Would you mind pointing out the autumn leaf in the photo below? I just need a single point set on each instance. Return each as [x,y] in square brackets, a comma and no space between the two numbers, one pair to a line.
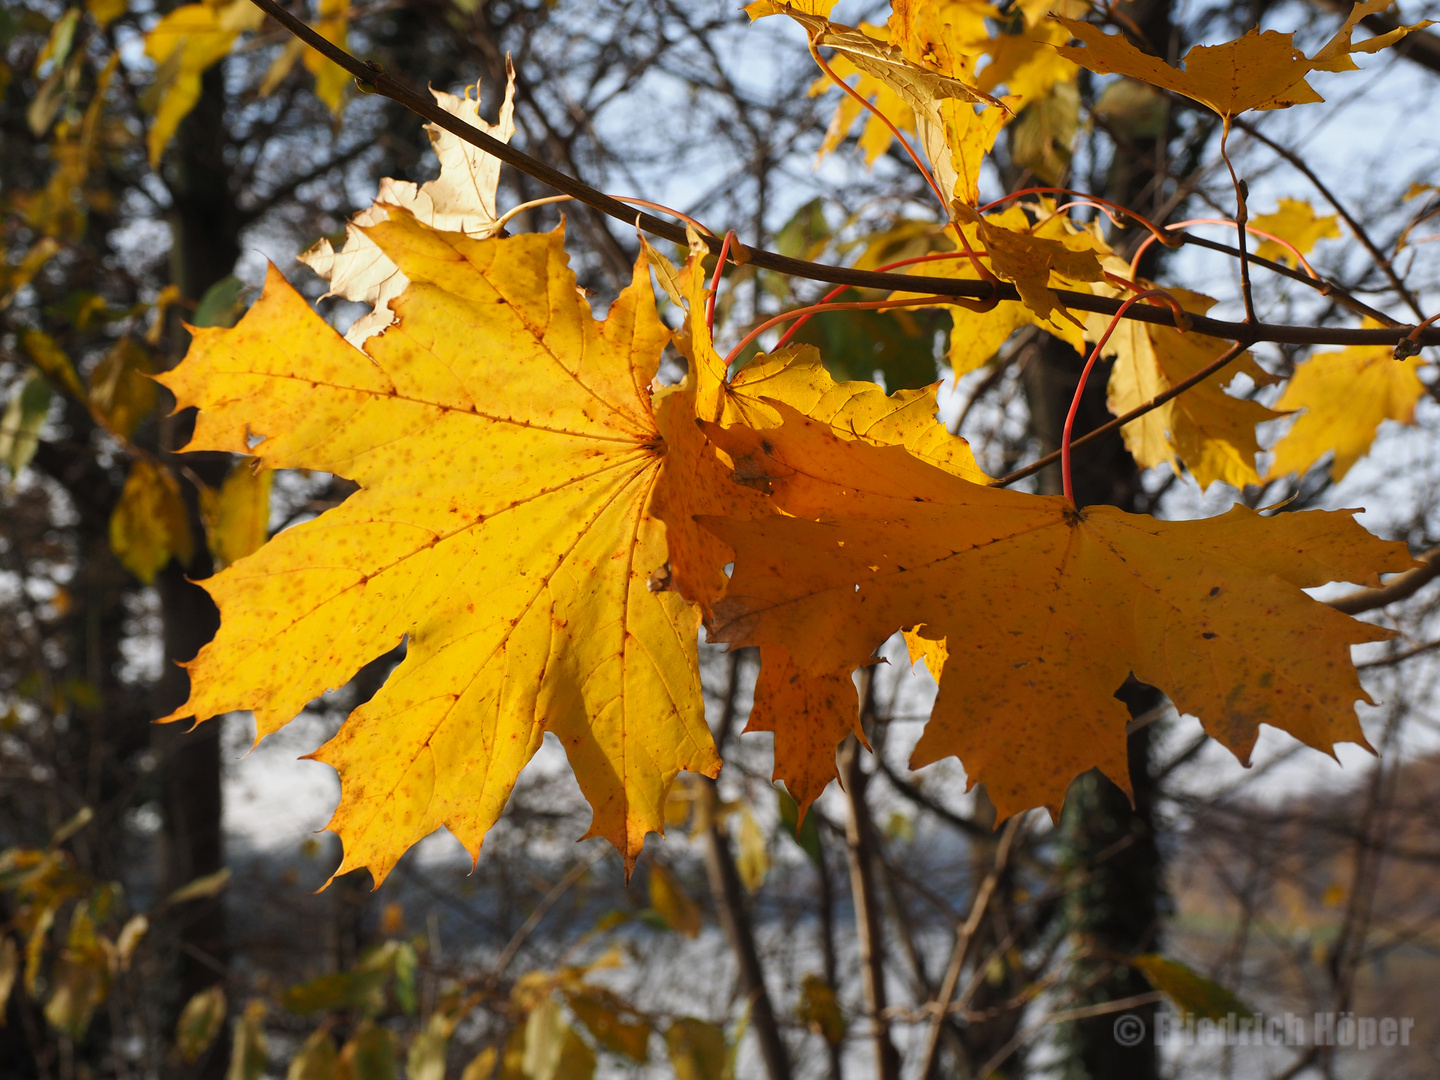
[505,449]
[331,80]
[237,516]
[1045,610]
[1212,432]
[1258,71]
[1295,221]
[461,199]
[1345,396]
[184,44]
[149,525]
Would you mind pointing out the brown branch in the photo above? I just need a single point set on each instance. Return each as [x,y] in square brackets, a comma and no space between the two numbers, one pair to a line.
[1140,410]
[1355,227]
[374,79]
[962,946]
[1400,587]
[860,848]
[728,895]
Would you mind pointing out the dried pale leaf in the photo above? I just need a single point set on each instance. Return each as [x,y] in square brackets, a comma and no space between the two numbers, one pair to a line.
[1056,607]
[202,888]
[1346,396]
[150,525]
[80,985]
[131,934]
[505,448]
[672,903]
[461,199]
[200,1022]
[1295,220]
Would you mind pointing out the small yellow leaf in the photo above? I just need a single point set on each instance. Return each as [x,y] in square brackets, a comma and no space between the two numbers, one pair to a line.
[615,1026]
[331,80]
[131,934]
[9,972]
[150,524]
[819,1009]
[758,9]
[106,11]
[1212,432]
[1295,221]
[200,1021]
[672,903]
[237,516]
[482,1065]
[119,389]
[697,1049]
[1345,395]
[753,860]
[51,359]
[317,1059]
[371,1054]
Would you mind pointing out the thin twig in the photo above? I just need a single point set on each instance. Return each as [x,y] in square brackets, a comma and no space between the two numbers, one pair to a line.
[962,946]
[1120,421]
[1400,587]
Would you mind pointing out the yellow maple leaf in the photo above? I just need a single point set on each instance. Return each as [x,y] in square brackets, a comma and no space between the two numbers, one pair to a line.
[1045,610]
[1210,431]
[505,450]
[1346,395]
[1262,70]
[1295,221]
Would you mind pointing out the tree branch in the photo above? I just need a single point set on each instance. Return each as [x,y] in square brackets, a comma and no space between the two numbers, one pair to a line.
[1400,587]
[374,79]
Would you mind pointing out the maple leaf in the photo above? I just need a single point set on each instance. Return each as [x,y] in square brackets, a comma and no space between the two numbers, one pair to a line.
[1258,71]
[1044,609]
[461,199]
[1210,431]
[505,450]
[1346,395]
[1294,220]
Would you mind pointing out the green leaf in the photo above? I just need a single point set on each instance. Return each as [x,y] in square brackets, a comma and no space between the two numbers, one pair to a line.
[222,304]
[806,835]
[362,989]
[856,344]
[1191,994]
[371,1054]
[317,1060]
